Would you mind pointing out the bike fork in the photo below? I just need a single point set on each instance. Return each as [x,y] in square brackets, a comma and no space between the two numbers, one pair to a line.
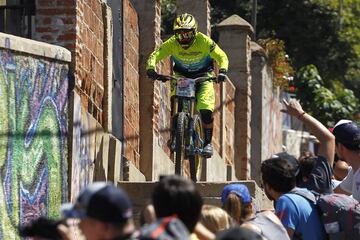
[190,142]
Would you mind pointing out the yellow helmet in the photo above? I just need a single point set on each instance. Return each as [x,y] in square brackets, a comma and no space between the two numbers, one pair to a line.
[185,28]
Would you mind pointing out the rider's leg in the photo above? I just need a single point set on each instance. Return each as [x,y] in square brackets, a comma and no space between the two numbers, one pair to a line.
[206,105]
[207,121]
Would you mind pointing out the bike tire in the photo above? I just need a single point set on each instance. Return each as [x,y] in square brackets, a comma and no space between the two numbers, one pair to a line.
[182,122]
[197,160]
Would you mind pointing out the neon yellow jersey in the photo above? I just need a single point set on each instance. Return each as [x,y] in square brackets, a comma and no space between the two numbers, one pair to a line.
[193,61]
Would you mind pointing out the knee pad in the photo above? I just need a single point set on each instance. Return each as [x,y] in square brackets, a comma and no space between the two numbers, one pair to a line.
[206,116]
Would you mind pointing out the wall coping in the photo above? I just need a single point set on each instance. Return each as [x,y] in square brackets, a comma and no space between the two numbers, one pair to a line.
[33,47]
[235,22]
[257,49]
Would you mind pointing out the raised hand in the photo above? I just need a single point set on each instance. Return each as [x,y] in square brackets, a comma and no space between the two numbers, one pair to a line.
[293,108]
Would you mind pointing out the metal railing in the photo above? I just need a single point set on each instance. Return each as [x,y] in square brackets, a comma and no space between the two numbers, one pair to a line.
[17,19]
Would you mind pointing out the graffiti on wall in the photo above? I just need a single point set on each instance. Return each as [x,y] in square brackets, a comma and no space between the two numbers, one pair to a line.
[83,149]
[33,145]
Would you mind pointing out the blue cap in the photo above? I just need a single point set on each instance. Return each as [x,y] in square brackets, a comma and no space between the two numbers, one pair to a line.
[239,190]
[347,133]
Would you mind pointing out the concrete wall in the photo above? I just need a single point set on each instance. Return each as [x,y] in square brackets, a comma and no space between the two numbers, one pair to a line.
[33,124]
[234,38]
[266,118]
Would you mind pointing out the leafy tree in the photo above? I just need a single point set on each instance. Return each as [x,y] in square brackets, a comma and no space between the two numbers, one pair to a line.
[278,61]
[328,105]
[310,31]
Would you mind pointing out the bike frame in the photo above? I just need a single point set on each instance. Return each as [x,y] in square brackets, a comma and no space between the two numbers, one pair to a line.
[186,125]
[187,105]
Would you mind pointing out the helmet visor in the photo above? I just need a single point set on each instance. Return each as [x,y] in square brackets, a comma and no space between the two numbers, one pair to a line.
[185,36]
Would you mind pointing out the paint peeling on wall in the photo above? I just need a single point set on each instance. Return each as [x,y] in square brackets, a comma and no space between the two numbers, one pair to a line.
[33,144]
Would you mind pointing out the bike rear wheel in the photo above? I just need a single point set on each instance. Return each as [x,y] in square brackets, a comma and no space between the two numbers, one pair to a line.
[196,160]
[182,123]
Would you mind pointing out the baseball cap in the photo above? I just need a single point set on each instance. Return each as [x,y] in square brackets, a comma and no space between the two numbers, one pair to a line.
[290,158]
[239,189]
[101,201]
[347,133]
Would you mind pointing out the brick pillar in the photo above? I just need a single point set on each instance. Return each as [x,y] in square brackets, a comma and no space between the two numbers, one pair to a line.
[149,26]
[200,9]
[234,39]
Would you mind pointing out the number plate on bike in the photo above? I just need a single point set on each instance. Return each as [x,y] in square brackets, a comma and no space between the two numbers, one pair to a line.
[185,87]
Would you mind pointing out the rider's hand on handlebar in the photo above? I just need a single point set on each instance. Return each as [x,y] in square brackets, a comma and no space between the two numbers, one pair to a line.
[163,78]
[222,76]
[152,74]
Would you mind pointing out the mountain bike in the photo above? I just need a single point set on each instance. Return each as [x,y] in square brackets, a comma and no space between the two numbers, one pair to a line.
[186,126]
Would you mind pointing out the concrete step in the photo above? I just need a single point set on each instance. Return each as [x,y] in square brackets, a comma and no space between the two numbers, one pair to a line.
[140,193]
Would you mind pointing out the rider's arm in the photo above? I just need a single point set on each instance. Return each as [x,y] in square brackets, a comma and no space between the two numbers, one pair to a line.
[160,53]
[220,56]
[216,52]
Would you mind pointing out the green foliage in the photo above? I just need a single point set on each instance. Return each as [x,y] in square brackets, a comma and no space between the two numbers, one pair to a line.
[278,61]
[310,31]
[328,105]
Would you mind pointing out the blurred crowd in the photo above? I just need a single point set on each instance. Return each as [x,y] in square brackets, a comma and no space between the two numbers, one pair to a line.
[177,211]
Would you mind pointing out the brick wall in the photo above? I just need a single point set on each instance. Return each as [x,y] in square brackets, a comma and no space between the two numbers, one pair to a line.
[216,141]
[229,105]
[79,27]
[131,84]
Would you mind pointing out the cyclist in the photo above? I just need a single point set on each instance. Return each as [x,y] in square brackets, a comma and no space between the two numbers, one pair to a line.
[192,54]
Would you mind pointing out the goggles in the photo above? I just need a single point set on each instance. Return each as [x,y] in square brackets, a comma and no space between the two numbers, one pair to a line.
[185,36]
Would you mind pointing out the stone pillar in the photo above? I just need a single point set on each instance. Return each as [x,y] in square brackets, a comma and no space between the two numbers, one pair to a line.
[258,71]
[200,9]
[234,39]
[149,28]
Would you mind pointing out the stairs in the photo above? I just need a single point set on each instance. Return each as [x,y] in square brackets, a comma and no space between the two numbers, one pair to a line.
[140,194]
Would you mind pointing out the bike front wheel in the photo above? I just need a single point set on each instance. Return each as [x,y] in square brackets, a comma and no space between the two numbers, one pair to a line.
[182,123]
[197,160]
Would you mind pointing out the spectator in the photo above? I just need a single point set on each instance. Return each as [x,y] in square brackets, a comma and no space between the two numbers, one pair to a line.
[314,171]
[347,137]
[239,233]
[147,215]
[237,202]
[341,170]
[105,212]
[297,214]
[177,195]
[214,218]
[167,228]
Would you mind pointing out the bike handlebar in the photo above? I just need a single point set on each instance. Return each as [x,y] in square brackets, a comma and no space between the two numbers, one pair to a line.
[165,78]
